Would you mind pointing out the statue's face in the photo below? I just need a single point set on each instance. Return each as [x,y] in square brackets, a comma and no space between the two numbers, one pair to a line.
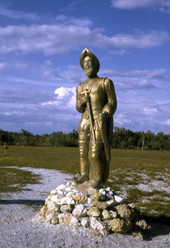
[89,67]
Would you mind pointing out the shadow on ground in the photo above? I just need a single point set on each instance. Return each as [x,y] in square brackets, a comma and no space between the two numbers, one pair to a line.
[22,201]
[157,229]
[159,226]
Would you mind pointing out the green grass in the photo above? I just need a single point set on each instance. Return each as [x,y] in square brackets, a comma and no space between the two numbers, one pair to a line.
[12,179]
[137,159]
[67,158]
[127,170]
[59,158]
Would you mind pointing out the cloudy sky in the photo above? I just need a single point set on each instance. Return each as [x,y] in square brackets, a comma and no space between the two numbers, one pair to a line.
[40,45]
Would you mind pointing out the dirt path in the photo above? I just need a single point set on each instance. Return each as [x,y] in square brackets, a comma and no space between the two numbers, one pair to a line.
[18,229]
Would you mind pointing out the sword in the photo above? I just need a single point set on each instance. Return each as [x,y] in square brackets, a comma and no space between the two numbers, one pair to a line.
[105,139]
[86,93]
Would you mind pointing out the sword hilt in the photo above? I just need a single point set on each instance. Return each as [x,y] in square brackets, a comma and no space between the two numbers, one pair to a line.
[86,92]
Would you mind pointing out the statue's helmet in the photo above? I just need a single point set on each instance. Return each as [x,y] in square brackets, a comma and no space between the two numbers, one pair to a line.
[86,52]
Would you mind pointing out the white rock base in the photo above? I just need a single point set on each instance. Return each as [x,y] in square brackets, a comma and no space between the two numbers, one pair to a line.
[101,210]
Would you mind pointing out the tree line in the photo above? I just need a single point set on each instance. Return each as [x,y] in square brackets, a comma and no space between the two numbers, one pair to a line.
[122,138]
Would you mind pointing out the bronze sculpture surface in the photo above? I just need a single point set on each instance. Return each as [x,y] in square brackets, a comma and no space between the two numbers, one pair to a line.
[96,100]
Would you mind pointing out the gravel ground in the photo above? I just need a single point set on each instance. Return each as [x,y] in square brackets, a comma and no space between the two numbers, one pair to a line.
[19,229]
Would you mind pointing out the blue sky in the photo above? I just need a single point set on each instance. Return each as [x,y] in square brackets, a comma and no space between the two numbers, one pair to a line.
[40,45]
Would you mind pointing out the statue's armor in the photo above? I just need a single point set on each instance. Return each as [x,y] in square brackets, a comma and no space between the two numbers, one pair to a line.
[102,99]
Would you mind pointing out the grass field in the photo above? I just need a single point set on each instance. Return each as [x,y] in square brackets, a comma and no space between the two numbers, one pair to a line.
[142,176]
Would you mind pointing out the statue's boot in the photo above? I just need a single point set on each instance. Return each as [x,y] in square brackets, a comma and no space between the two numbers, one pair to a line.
[82,178]
[96,184]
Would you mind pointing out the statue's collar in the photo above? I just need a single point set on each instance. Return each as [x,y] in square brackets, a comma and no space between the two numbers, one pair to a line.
[91,80]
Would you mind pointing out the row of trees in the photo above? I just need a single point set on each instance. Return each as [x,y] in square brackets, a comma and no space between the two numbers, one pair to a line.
[122,138]
[26,138]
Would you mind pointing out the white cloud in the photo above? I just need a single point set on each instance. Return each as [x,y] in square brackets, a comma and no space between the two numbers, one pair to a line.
[165,10]
[14,14]
[80,22]
[52,102]
[74,3]
[119,52]
[150,111]
[69,74]
[21,66]
[139,79]
[2,66]
[59,38]
[155,73]
[167,122]
[139,39]
[61,18]
[13,113]
[131,4]
[72,101]
[125,80]
[136,111]
[65,99]
[30,81]
[67,20]
[122,120]
[63,92]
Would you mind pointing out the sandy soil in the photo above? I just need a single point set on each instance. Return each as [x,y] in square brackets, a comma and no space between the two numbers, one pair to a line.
[18,228]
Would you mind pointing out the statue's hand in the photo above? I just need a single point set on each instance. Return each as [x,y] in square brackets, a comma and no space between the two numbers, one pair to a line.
[103,116]
[85,98]
[102,119]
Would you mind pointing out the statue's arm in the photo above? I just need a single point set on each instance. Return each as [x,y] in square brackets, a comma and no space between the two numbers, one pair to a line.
[80,100]
[111,104]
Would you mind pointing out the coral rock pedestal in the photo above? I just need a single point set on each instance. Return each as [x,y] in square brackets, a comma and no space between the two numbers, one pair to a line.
[101,211]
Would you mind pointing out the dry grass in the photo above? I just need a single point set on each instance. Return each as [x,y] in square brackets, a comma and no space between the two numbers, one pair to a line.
[12,179]
[130,172]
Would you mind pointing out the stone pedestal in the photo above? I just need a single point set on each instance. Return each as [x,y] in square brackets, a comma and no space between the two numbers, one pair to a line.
[101,211]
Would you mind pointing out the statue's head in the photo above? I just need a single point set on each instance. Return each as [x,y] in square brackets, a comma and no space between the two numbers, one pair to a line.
[89,63]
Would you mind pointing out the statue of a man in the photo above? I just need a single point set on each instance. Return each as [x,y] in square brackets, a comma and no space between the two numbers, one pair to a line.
[96,100]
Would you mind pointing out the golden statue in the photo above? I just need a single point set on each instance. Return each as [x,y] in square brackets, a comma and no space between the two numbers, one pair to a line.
[96,100]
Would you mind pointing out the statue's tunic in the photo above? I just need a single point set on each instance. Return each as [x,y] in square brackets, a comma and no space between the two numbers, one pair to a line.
[102,99]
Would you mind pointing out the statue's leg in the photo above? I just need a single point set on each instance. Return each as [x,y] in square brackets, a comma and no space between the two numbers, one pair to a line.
[96,165]
[83,149]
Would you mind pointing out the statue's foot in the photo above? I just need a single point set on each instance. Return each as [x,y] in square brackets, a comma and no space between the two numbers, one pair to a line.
[84,187]
[96,184]
[87,186]
[81,179]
